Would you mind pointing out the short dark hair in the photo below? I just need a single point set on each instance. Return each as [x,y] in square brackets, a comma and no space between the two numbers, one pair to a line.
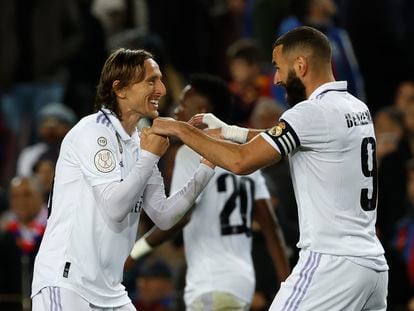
[216,91]
[124,65]
[305,37]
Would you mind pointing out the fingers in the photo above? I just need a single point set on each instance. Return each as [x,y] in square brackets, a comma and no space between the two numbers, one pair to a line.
[197,120]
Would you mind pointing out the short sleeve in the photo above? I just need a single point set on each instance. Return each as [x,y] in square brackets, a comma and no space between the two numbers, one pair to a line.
[261,192]
[96,149]
[301,126]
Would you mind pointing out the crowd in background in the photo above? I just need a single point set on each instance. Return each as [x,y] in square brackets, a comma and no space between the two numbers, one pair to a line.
[51,53]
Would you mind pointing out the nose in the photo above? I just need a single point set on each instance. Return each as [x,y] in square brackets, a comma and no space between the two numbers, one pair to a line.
[161,89]
[276,78]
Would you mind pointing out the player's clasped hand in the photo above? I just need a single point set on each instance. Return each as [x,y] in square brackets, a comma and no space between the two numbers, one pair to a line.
[206,119]
[154,143]
[163,126]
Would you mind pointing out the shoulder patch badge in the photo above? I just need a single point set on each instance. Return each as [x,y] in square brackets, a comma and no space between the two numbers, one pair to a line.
[102,141]
[104,161]
[277,129]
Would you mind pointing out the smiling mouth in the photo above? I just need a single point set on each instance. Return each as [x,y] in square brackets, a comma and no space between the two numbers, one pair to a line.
[155,103]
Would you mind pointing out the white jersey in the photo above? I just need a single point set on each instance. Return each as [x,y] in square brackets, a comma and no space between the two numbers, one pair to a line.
[84,249]
[217,239]
[330,141]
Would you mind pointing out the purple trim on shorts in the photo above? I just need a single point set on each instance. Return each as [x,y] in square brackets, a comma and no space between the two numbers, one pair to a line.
[318,260]
[59,298]
[52,298]
[302,274]
[55,298]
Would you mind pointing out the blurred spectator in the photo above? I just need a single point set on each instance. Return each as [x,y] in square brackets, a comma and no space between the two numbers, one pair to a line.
[20,239]
[403,243]
[389,130]
[44,170]
[154,286]
[86,63]
[392,179]
[404,94]
[6,149]
[320,14]
[248,80]
[112,14]
[54,121]
[267,15]
[266,113]
[37,38]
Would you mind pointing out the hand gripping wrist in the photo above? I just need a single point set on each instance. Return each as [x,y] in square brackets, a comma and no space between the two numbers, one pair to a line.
[140,248]
[229,132]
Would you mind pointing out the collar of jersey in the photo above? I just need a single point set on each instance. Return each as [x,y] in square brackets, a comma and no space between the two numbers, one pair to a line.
[331,86]
[117,125]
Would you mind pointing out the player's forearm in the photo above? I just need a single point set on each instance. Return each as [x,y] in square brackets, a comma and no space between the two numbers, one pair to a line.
[279,257]
[156,236]
[225,154]
[253,133]
[273,234]
[166,212]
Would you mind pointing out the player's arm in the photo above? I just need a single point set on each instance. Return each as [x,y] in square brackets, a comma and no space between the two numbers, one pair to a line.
[164,211]
[272,232]
[239,159]
[228,132]
[153,238]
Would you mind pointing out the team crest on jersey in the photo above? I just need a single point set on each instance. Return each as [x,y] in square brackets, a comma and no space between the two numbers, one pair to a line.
[278,129]
[105,161]
[102,141]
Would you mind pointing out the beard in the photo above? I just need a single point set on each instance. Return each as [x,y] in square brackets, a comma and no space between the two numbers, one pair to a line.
[295,90]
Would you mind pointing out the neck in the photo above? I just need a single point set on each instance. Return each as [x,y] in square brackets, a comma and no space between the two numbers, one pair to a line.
[130,121]
[316,81]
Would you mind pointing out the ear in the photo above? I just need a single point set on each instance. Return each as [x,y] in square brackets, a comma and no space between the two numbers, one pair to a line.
[119,92]
[301,66]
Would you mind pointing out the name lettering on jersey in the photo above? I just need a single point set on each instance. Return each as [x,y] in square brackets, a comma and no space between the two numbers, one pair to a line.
[285,137]
[102,141]
[358,118]
[138,206]
[104,161]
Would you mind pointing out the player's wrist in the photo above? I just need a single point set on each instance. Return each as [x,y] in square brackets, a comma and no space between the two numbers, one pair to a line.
[235,133]
[140,248]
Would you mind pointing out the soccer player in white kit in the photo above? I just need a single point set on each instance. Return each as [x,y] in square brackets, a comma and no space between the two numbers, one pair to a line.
[329,137]
[218,235]
[105,175]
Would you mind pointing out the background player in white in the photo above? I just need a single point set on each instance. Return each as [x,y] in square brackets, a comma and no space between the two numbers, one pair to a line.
[329,137]
[218,234]
[106,173]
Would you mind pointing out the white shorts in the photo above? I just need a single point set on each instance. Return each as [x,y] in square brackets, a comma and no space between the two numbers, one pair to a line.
[218,301]
[331,283]
[59,298]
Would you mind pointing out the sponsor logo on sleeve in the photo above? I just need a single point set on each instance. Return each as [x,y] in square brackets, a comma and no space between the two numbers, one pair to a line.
[104,161]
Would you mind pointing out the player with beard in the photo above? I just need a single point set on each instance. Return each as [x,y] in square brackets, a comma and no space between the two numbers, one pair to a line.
[329,138]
